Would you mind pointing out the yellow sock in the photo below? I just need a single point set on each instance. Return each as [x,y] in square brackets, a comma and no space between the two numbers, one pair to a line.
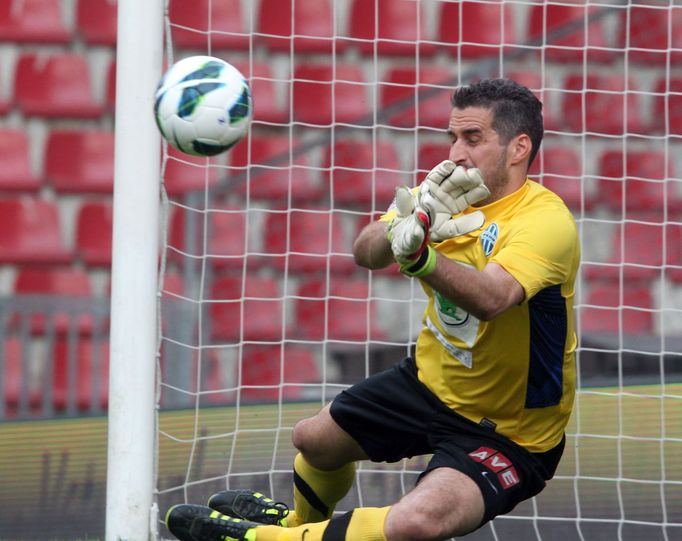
[361,524]
[316,492]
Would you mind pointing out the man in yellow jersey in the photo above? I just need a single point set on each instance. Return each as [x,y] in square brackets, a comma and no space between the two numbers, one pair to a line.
[491,387]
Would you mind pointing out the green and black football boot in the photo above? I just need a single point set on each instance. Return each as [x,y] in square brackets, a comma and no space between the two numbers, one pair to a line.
[190,522]
[250,505]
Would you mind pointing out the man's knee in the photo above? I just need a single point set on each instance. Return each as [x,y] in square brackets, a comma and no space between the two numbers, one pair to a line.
[302,436]
[324,444]
[313,436]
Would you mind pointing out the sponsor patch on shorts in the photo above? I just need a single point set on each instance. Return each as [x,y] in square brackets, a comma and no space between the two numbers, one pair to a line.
[497,463]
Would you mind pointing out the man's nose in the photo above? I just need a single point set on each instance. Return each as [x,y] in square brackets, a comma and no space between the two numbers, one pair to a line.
[457,153]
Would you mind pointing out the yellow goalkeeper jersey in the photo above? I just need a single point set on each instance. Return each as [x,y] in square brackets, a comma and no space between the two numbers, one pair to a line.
[518,370]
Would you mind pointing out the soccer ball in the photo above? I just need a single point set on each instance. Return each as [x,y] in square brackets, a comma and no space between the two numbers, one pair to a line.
[203,105]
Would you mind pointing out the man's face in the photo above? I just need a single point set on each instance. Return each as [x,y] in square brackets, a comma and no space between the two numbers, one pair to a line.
[474,143]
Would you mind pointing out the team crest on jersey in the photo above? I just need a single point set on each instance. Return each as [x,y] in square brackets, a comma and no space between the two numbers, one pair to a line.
[489,238]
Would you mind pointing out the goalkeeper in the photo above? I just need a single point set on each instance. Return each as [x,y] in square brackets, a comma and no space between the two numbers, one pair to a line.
[491,387]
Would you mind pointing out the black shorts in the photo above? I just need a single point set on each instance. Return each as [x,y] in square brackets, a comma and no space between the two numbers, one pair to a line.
[392,415]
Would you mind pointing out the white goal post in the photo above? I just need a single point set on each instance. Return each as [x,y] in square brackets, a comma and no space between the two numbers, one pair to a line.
[132,391]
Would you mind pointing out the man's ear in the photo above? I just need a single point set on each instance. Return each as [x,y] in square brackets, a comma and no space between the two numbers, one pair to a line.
[519,148]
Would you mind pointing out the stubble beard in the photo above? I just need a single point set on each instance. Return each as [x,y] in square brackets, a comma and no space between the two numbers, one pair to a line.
[497,180]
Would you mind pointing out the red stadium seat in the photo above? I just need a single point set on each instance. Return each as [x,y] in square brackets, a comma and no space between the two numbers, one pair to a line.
[64,282]
[363,174]
[203,23]
[390,27]
[55,85]
[6,103]
[311,21]
[606,105]
[266,372]
[558,29]
[251,311]
[652,33]
[560,169]
[640,251]
[15,173]
[94,227]
[90,362]
[30,232]
[267,105]
[24,390]
[306,241]
[19,384]
[496,17]
[674,255]
[274,168]
[226,235]
[667,106]
[186,173]
[80,161]
[400,90]
[13,374]
[340,310]
[612,309]
[110,91]
[32,21]
[96,21]
[638,182]
[325,94]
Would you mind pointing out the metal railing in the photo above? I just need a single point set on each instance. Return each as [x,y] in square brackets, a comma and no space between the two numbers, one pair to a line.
[54,356]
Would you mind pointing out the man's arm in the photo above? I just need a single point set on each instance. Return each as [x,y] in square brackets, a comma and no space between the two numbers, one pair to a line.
[371,248]
[484,294]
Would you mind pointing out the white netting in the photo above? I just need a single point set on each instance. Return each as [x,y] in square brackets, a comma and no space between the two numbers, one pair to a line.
[266,317]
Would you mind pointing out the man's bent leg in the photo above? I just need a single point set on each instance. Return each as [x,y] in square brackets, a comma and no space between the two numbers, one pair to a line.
[324,469]
[444,504]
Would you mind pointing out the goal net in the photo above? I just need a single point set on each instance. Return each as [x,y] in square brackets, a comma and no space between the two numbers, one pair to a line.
[265,317]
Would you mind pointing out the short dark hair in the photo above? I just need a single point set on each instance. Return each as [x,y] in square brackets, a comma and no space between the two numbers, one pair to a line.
[515,108]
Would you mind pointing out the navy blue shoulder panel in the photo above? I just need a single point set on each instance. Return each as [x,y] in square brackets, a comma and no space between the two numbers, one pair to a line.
[548,328]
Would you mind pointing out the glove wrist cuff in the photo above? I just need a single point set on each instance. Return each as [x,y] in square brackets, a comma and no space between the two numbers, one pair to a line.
[423,266]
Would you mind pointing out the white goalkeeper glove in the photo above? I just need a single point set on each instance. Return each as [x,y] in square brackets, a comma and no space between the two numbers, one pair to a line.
[449,189]
[408,234]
